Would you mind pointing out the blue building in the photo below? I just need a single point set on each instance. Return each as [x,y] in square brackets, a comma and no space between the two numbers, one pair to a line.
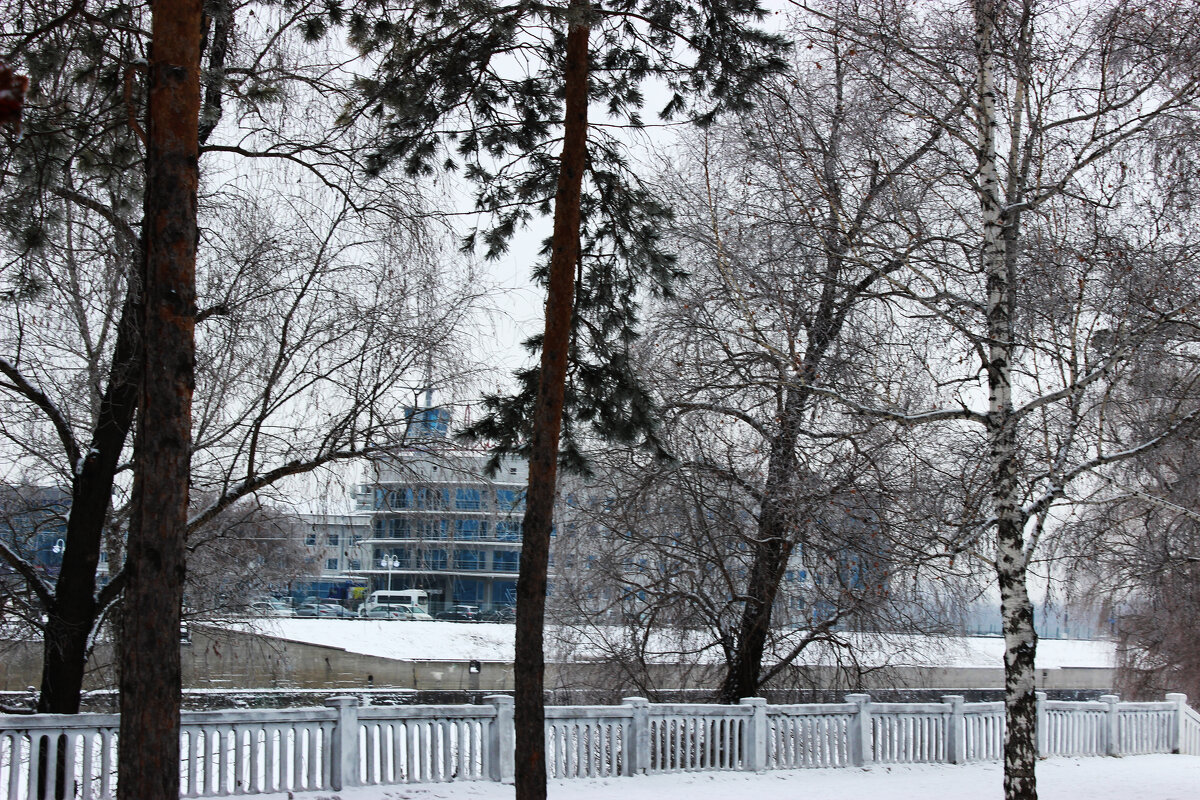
[33,522]
[439,523]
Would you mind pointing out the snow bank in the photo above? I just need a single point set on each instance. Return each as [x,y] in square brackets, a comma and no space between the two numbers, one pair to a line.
[452,641]
[1158,777]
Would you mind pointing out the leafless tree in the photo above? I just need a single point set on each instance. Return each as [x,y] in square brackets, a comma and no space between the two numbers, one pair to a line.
[1048,112]
[249,550]
[653,558]
[792,223]
[321,296]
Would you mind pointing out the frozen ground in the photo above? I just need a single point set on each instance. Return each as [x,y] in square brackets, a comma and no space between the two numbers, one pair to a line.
[451,641]
[1162,777]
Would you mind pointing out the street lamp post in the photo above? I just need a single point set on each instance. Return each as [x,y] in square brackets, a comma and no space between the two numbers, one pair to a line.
[389,563]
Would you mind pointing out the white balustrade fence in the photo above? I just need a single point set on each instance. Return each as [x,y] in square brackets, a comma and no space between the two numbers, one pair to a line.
[249,752]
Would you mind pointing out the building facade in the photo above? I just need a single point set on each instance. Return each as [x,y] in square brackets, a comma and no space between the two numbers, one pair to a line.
[335,544]
[439,522]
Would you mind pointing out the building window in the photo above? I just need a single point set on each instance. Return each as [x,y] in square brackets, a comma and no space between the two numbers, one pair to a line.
[396,558]
[510,499]
[311,540]
[399,529]
[430,499]
[470,530]
[470,560]
[331,564]
[505,561]
[468,500]
[333,539]
[508,530]
[435,559]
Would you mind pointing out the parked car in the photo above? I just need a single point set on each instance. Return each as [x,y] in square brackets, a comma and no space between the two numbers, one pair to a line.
[396,611]
[269,607]
[323,610]
[501,614]
[460,614]
[415,599]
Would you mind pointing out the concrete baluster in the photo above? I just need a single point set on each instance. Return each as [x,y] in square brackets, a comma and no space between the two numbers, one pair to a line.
[755,743]
[343,755]
[501,739]
[1176,736]
[956,742]
[1112,741]
[637,749]
[862,745]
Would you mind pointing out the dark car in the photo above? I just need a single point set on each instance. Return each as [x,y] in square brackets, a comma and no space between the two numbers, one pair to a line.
[501,614]
[460,614]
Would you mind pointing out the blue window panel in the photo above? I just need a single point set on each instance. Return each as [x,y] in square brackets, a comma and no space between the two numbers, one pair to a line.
[397,558]
[435,559]
[470,559]
[427,423]
[510,499]
[508,530]
[468,500]
[504,592]
[470,591]
[430,499]
[399,529]
[470,530]
[504,561]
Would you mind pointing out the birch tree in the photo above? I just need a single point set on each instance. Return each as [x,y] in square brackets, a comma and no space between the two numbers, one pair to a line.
[1061,104]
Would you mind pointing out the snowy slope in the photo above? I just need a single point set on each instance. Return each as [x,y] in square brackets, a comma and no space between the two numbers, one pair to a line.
[450,641]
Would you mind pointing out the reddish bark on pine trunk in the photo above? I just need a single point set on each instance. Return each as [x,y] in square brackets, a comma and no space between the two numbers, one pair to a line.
[148,765]
[529,666]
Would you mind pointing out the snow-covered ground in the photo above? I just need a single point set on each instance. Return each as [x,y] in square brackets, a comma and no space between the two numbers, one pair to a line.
[451,641]
[1161,777]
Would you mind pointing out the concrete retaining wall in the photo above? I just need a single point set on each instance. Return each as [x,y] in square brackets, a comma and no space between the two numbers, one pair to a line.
[221,659]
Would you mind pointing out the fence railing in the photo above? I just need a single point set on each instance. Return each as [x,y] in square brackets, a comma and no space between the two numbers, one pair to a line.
[249,752]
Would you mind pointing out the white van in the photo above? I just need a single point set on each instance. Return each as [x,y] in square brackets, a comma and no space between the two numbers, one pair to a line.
[415,604]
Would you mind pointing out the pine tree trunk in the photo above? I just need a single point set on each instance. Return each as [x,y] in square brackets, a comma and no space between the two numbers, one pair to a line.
[1020,641]
[148,761]
[529,663]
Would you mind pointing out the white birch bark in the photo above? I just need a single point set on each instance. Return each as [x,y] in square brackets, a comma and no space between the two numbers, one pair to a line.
[1020,640]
